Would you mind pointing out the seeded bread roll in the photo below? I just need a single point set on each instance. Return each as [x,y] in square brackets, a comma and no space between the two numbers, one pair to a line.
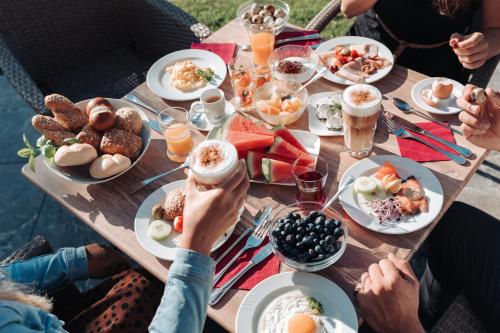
[128,120]
[65,112]
[90,136]
[102,118]
[117,141]
[98,101]
[51,129]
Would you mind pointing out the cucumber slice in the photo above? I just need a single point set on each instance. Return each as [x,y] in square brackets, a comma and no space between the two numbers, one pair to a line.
[159,229]
[365,185]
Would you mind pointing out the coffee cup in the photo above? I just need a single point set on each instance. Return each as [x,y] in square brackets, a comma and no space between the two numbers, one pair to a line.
[212,103]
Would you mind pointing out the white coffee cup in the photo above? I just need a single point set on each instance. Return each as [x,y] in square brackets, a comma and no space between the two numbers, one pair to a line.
[212,103]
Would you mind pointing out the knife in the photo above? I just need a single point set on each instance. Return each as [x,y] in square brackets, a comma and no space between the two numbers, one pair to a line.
[265,252]
[417,129]
[136,100]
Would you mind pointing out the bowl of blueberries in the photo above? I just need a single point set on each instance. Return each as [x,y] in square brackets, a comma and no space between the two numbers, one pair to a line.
[307,240]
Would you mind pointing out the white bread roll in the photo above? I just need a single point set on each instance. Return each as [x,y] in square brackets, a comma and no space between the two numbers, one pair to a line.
[76,154]
[109,165]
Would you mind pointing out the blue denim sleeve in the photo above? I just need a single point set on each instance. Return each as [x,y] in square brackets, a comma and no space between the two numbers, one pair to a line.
[183,307]
[51,271]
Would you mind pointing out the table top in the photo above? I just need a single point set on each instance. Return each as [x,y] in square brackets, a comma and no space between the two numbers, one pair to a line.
[109,210]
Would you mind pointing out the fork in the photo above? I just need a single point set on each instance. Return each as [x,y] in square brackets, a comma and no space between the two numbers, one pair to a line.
[399,131]
[255,239]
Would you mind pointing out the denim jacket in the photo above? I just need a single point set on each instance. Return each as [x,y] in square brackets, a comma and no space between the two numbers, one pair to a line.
[183,306]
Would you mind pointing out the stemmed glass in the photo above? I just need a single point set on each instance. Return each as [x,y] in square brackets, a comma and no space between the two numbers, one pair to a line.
[240,71]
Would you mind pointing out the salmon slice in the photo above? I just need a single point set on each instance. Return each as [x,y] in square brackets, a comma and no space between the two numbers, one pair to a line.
[412,197]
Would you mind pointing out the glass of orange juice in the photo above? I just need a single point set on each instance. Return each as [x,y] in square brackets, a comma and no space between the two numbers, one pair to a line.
[174,122]
[240,72]
[262,43]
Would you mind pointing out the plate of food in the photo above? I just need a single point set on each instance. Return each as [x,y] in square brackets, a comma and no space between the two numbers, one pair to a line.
[392,194]
[354,59]
[437,95]
[158,222]
[296,302]
[325,114]
[92,141]
[183,75]
[269,152]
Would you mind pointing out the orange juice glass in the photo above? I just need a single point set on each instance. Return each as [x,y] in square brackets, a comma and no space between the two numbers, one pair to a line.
[262,43]
[174,123]
[240,72]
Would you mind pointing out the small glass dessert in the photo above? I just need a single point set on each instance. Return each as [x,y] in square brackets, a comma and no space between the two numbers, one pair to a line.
[213,161]
[240,71]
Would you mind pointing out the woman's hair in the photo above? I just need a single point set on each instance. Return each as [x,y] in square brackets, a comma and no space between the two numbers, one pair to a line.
[451,7]
[11,291]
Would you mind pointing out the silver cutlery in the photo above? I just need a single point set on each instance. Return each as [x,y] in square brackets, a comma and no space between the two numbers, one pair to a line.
[247,47]
[256,223]
[315,78]
[341,190]
[399,131]
[265,252]
[407,108]
[136,187]
[255,239]
[136,100]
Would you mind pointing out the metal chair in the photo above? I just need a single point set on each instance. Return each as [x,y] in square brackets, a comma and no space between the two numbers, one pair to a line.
[86,48]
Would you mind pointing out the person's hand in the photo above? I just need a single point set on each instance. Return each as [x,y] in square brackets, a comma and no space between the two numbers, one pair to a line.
[481,123]
[472,50]
[208,214]
[104,261]
[388,296]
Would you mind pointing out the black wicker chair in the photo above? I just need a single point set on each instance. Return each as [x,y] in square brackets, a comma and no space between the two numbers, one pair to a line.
[86,48]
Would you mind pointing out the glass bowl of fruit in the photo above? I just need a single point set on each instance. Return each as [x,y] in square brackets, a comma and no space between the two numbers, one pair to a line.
[272,13]
[293,63]
[308,240]
[279,102]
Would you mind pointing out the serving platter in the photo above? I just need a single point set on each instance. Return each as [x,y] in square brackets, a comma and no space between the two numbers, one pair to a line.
[81,174]
[444,107]
[339,313]
[356,206]
[164,249]
[383,51]
[158,79]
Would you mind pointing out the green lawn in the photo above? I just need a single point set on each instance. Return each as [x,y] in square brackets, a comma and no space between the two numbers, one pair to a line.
[216,13]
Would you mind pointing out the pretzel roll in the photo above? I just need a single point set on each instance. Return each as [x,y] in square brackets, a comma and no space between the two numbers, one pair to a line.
[90,136]
[102,118]
[98,101]
[117,141]
[65,112]
[129,120]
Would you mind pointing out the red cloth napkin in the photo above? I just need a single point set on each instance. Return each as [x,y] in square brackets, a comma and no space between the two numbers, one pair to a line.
[269,267]
[421,153]
[223,50]
[291,34]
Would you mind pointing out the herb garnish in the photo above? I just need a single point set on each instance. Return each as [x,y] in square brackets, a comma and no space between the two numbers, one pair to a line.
[207,74]
[315,305]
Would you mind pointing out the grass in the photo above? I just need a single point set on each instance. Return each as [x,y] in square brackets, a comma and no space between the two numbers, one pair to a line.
[216,13]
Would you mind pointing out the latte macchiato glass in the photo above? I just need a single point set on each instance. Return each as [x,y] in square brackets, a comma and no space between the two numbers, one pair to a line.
[360,111]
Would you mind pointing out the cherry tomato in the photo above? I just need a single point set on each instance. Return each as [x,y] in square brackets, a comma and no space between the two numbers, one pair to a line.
[354,54]
[178,221]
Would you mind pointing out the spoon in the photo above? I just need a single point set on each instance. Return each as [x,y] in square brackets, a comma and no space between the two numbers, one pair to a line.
[341,190]
[315,78]
[406,108]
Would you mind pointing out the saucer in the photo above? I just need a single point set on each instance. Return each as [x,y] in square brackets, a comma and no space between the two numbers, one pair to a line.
[200,121]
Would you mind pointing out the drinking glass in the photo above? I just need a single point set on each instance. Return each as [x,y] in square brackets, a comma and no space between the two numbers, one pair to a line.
[240,72]
[310,179]
[262,43]
[174,122]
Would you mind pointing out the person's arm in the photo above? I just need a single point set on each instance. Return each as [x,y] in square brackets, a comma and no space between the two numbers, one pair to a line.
[183,307]
[351,8]
[51,271]
[490,13]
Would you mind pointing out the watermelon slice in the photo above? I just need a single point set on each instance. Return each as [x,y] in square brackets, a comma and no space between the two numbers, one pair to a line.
[239,123]
[246,141]
[286,135]
[275,171]
[244,153]
[254,163]
[284,149]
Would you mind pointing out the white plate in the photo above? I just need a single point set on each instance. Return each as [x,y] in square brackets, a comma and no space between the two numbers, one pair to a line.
[203,124]
[81,174]
[164,249]
[310,141]
[448,106]
[383,51]
[355,204]
[158,79]
[339,315]
[317,126]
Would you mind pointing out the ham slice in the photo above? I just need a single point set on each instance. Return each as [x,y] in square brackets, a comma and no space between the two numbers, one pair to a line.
[371,51]
[352,71]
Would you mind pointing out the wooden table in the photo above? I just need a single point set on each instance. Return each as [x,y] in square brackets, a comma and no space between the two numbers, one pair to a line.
[110,211]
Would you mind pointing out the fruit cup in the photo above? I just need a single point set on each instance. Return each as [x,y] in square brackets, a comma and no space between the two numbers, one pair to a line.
[240,72]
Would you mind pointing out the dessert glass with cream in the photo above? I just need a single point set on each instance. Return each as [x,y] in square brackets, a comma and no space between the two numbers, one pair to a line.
[360,111]
[213,161]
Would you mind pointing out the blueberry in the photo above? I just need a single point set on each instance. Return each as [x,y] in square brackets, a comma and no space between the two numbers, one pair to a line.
[320,257]
[338,224]
[329,222]
[338,232]
[322,243]
[318,249]
[281,221]
[287,247]
[307,240]
[320,220]
[337,246]
[309,226]
[290,239]
[282,226]
[300,245]
[315,241]
[322,235]
[300,230]
[289,216]
[275,233]
[287,227]
[330,239]
[313,214]
[311,253]
[319,228]
[283,233]
[329,231]
[297,223]
[313,234]
[296,216]
[330,248]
